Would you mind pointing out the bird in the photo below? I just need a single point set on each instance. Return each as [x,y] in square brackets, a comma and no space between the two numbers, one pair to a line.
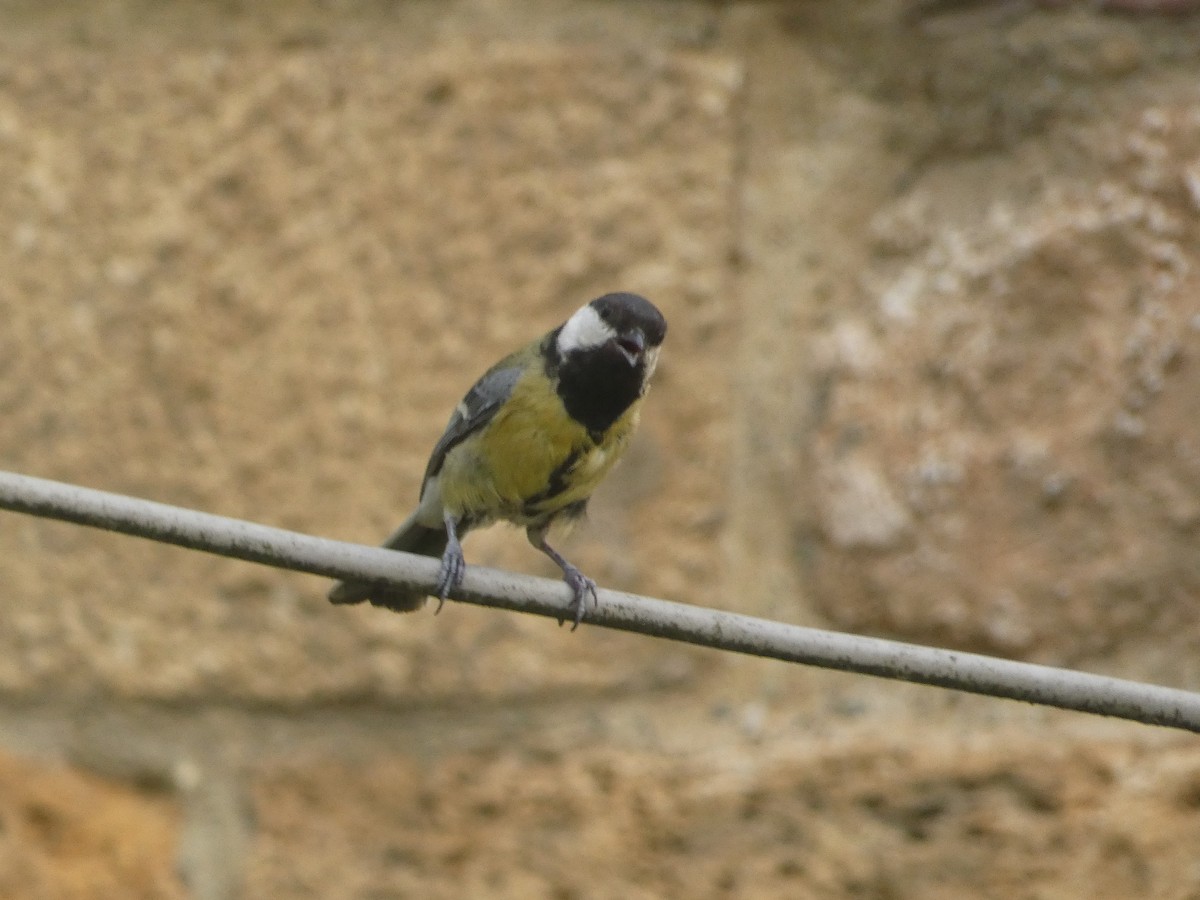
[528,445]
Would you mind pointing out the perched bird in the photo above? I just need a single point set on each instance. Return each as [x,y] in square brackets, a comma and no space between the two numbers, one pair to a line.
[529,443]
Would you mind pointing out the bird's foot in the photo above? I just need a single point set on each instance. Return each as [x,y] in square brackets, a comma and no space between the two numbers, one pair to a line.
[581,587]
[450,575]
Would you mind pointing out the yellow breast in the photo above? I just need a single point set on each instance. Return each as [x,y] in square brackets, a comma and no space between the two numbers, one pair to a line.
[532,460]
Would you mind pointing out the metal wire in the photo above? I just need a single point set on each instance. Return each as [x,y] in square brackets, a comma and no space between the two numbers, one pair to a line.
[969,672]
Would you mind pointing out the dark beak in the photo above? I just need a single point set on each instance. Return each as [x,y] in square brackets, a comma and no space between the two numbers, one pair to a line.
[632,345]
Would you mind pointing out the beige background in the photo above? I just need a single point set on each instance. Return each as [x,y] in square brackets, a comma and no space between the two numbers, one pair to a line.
[933,373]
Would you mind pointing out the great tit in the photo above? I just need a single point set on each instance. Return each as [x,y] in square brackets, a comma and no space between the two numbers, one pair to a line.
[529,443]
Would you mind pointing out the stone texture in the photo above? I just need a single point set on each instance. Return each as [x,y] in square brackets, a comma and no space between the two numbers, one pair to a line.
[255,280]
[65,835]
[1008,455]
[988,819]
[929,270]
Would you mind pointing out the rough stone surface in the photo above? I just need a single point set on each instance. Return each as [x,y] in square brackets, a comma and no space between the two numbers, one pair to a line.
[65,835]
[930,271]
[256,280]
[1008,456]
[1101,819]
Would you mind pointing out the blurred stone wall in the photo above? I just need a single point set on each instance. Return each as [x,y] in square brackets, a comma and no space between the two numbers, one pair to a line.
[933,373]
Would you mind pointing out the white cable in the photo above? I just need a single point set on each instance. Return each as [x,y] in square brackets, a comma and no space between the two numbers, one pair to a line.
[970,672]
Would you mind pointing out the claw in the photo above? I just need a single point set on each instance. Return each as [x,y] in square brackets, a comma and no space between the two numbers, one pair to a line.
[579,583]
[580,586]
[453,567]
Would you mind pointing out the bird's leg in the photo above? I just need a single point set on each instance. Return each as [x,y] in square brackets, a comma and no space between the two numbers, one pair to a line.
[453,563]
[579,583]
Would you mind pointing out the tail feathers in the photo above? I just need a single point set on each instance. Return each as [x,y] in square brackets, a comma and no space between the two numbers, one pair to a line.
[410,537]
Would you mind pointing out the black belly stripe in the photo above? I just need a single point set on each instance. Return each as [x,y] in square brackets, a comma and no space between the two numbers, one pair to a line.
[556,484]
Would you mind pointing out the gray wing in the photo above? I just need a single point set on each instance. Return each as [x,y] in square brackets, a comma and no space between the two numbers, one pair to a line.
[476,410]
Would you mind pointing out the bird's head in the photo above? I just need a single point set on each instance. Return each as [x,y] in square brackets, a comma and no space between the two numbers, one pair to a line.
[622,329]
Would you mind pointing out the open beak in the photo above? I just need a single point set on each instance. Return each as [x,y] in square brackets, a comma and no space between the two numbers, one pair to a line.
[632,345]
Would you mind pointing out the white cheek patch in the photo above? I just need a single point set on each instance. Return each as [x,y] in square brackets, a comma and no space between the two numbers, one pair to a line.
[584,329]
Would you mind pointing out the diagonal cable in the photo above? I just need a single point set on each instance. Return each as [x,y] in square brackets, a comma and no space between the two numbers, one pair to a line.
[971,672]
